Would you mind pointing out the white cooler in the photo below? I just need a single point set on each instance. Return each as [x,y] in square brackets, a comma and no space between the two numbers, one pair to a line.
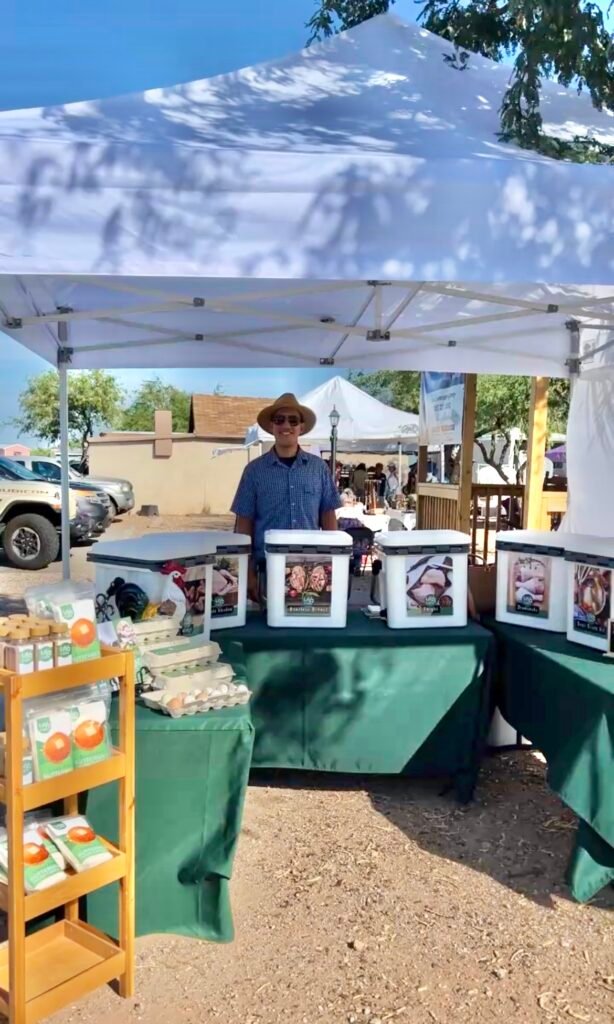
[423,583]
[163,575]
[590,561]
[532,579]
[229,587]
[308,573]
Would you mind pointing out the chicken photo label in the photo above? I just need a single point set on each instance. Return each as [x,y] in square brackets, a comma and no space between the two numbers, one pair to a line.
[528,585]
[592,599]
[225,592]
[429,585]
[308,585]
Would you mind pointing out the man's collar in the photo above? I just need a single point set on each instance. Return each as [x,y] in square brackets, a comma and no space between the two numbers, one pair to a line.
[274,457]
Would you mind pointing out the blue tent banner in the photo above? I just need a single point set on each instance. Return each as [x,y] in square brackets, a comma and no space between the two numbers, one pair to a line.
[441,408]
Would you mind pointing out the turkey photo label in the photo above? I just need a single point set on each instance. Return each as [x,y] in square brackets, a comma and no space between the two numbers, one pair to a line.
[528,585]
[428,585]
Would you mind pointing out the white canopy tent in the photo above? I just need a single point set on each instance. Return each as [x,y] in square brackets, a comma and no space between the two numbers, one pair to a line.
[348,205]
[364,422]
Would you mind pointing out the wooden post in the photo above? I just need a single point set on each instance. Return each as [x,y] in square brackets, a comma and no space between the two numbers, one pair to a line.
[423,455]
[466,467]
[536,451]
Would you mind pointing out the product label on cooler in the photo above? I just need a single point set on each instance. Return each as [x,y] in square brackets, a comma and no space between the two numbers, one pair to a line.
[428,585]
[592,599]
[308,585]
[528,584]
[225,594]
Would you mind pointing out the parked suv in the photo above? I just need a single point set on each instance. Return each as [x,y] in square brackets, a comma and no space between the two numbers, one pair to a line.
[30,516]
[119,491]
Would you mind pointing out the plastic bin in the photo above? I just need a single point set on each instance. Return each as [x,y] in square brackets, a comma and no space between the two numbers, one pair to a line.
[590,562]
[163,575]
[532,579]
[308,575]
[230,569]
[423,583]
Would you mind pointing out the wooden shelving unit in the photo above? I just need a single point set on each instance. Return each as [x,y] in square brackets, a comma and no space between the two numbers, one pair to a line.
[42,972]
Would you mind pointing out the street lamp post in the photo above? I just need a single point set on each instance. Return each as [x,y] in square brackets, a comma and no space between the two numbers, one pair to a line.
[334,418]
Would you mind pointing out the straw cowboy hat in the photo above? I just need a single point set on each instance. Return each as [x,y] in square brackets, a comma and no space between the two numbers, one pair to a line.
[286,402]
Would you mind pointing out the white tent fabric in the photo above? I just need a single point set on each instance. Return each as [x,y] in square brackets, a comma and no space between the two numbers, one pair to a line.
[364,421]
[590,459]
[360,181]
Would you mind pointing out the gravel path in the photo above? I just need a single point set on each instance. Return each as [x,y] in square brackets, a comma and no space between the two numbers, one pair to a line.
[361,899]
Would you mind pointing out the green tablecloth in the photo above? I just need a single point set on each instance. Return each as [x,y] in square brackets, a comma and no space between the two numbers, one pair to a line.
[191,777]
[561,696]
[367,698]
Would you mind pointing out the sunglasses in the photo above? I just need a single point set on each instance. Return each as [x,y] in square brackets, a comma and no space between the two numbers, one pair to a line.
[280,419]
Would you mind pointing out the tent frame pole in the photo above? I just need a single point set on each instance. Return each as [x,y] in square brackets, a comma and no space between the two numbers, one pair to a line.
[64,358]
[536,454]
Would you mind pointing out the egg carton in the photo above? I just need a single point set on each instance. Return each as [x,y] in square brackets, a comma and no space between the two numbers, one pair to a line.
[194,676]
[179,652]
[197,702]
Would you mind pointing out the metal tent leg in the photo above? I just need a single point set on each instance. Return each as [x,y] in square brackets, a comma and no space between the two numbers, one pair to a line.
[63,359]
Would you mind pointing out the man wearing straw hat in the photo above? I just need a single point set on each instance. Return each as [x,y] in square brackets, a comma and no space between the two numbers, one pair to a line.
[285,489]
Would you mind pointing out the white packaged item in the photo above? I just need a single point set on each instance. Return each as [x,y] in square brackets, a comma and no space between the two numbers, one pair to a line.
[40,870]
[531,579]
[423,582]
[163,576]
[229,578]
[77,842]
[192,649]
[307,577]
[590,565]
[73,604]
[50,738]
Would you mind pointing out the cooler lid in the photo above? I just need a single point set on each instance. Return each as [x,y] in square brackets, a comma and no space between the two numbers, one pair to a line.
[399,542]
[589,550]
[534,542]
[317,542]
[154,551]
[228,543]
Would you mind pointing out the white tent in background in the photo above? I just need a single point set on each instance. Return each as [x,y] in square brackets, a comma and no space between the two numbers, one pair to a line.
[347,205]
[365,424]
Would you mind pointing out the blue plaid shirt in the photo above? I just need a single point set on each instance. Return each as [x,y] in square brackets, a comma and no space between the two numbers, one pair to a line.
[280,497]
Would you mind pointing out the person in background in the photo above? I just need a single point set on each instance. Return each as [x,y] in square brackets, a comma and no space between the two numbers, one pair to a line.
[392,485]
[359,479]
[379,478]
[285,489]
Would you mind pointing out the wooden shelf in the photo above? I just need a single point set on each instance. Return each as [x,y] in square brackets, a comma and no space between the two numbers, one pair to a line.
[42,972]
[76,886]
[39,794]
[62,963]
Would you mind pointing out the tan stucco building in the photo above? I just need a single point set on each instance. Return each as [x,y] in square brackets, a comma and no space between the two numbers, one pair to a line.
[179,472]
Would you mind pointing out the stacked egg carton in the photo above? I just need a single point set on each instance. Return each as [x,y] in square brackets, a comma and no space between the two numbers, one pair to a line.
[188,679]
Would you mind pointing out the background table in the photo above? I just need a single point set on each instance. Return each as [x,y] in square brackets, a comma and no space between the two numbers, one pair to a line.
[191,778]
[561,696]
[367,698]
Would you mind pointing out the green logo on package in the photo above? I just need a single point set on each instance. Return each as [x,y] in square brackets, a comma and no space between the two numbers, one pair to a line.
[68,612]
[26,658]
[65,650]
[45,654]
[44,725]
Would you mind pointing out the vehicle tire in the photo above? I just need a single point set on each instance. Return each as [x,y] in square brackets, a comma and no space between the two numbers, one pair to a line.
[114,507]
[30,541]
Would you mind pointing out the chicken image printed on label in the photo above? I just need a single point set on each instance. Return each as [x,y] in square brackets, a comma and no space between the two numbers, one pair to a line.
[592,599]
[428,585]
[225,591]
[528,585]
[308,585]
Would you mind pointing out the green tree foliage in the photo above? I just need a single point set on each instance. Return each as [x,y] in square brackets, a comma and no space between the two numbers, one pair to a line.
[94,399]
[502,404]
[562,39]
[152,396]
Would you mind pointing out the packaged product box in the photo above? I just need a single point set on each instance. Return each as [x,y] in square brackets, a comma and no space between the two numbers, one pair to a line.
[90,733]
[50,736]
[77,842]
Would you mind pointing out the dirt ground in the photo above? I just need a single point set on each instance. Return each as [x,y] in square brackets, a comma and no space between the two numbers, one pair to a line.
[368,900]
